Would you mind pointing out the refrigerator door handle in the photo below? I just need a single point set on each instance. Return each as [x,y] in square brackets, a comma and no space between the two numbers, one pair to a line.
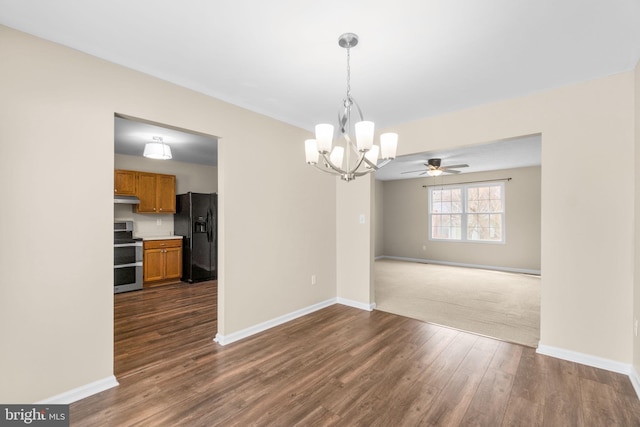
[209,234]
[214,228]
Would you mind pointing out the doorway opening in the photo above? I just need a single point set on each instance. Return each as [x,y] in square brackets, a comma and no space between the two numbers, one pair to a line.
[174,310]
[487,287]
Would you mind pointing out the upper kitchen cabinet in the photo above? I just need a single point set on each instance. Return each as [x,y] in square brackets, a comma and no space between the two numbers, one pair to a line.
[166,194]
[125,183]
[157,193]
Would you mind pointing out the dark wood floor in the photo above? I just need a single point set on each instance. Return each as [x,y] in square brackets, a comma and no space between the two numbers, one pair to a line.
[338,366]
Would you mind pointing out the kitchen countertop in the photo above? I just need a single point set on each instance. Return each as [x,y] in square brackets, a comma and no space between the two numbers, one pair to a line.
[158,237]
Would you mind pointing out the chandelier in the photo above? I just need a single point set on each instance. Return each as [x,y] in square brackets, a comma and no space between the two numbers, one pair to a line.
[157,150]
[347,158]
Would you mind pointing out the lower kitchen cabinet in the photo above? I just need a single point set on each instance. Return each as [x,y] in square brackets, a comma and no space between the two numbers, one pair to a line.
[162,262]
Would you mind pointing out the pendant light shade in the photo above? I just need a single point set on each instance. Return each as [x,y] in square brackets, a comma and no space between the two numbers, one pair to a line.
[372,155]
[311,151]
[364,135]
[157,150]
[388,145]
[324,136]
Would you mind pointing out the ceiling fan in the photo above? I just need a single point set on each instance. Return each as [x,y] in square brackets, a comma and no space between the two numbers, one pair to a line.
[434,168]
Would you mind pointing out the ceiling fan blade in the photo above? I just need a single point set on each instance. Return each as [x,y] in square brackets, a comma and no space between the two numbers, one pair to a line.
[449,171]
[455,166]
[420,170]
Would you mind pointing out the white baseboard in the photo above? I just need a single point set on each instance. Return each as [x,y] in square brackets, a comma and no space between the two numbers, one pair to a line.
[81,392]
[595,361]
[237,336]
[635,380]
[245,333]
[585,359]
[356,304]
[462,264]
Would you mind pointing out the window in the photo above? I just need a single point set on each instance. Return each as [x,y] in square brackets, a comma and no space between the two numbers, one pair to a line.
[467,212]
[446,213]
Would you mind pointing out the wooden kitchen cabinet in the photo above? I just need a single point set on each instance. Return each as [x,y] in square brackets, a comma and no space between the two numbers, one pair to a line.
[166,193]
[162,262]
[157,193]
[146,193]
[124,182]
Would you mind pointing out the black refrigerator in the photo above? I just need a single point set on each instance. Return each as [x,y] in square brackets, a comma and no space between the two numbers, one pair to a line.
[196,220]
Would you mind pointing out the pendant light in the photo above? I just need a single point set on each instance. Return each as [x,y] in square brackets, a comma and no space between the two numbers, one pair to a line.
[157,150]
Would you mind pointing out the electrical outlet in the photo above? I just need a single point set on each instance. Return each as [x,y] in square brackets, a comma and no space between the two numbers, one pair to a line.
[313,279]
[158,221]
[635,327]
[424,247]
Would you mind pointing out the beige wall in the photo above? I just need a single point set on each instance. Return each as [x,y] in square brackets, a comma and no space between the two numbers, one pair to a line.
[354,229]
[57,110]
[406,231]
[587,283]
[378,219]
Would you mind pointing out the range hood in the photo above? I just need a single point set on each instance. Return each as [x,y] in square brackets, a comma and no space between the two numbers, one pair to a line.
[126,200]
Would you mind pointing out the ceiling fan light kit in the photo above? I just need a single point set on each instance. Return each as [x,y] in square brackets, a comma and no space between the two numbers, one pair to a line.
[338,160]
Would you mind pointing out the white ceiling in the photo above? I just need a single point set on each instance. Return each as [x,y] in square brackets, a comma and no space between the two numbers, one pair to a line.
[416,58]
[189,147]
[506,154]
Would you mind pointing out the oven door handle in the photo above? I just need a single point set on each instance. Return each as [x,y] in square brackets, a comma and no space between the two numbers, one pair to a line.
[132,264]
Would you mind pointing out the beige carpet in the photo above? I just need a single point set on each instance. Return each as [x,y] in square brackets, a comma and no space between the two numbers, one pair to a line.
[497,304]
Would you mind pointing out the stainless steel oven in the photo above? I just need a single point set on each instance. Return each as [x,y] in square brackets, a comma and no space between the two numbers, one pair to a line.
[127,258]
